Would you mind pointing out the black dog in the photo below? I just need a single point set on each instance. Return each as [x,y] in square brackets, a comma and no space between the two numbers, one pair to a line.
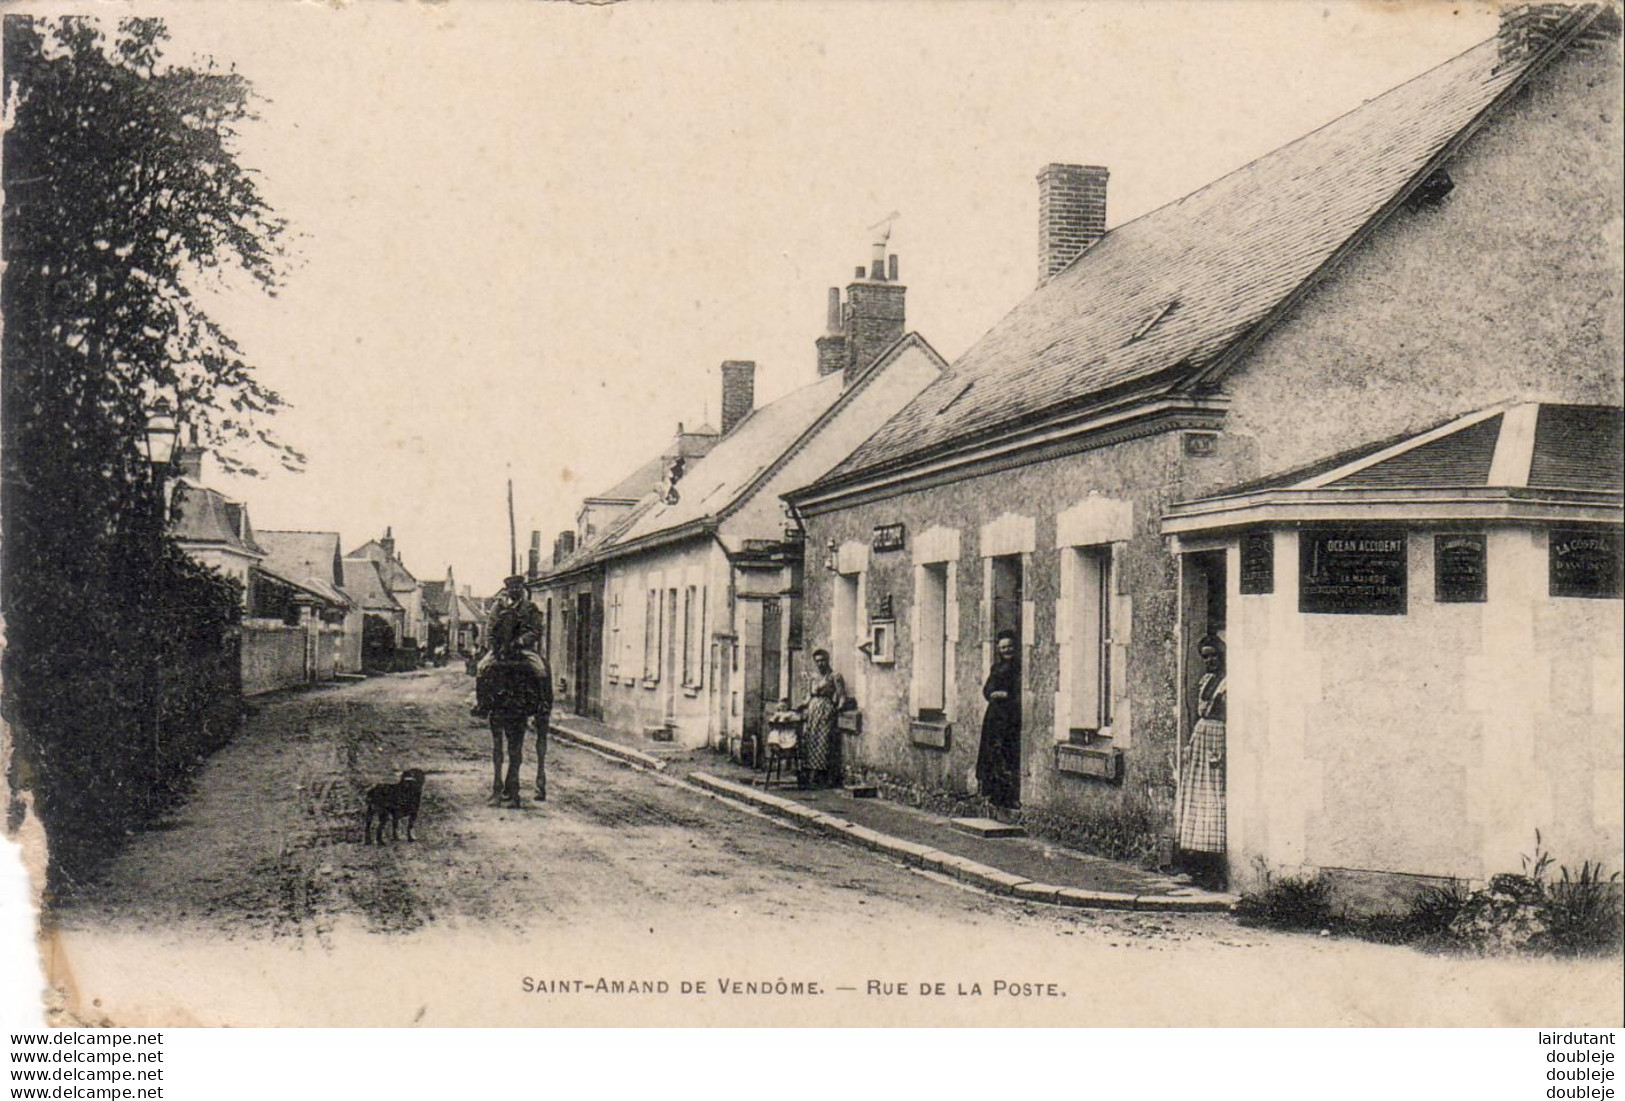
[394,802]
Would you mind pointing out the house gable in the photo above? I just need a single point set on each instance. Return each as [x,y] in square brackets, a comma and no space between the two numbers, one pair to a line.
[1504,289]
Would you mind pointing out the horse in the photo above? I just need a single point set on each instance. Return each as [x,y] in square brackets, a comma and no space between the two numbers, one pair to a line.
[510,690]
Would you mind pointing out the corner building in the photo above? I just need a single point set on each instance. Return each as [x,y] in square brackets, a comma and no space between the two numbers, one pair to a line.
[1446,247]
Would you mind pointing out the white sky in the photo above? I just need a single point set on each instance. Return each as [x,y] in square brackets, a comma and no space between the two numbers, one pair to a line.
[529,232]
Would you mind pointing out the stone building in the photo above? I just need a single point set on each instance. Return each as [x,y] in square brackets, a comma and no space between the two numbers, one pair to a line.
[406,590]
[692,595]
[1447,246]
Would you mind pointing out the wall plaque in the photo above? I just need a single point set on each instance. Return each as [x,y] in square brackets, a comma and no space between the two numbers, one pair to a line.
[1257,563]
[1201,445]
[887,537]
[1352,571]
[1585,563]
[1458,568]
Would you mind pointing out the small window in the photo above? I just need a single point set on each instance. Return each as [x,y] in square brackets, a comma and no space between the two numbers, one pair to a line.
[1091,633]
[932,651]
[651,637]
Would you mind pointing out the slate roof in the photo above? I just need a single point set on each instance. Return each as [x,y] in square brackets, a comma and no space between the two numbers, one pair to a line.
[363,582]
[1159,300]
[395,575]
[1530,445]
[712,484]
[435,600]
[469,610]
[306,559]
[201,515]
[690,445]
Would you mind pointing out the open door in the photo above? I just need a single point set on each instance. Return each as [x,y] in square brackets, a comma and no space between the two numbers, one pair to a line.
[1200,803]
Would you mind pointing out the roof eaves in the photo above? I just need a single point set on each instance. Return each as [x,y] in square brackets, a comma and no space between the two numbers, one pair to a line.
[1125,395]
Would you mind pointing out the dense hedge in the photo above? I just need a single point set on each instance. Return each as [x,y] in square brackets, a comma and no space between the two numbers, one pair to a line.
[116,693]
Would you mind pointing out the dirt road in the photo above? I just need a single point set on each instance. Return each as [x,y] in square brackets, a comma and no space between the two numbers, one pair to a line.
[261,878]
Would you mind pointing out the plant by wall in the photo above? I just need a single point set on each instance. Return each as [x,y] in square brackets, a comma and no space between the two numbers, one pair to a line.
[121,190]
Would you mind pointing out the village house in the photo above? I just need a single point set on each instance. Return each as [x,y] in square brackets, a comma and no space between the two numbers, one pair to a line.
[383,623]
[453,617]
[311,560]
[403,587]
[702,579]
[292,620]
[569,588]
[1436,260]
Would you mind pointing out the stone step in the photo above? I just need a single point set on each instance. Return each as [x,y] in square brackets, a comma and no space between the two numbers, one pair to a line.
[862,791]
[986,827]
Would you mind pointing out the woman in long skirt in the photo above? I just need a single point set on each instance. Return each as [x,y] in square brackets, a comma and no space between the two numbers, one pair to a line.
[826,695]
[1201,779]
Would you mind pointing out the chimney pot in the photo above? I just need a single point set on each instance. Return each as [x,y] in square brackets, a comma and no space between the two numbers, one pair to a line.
[859,272]
[832,322]
[891,268]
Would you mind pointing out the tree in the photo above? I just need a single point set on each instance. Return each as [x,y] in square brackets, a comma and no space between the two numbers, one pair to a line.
[122,190]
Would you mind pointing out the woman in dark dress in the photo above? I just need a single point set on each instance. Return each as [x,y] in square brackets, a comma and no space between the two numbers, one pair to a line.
[998,763]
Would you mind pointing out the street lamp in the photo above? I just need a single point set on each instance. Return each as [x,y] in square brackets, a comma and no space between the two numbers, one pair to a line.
[162,432]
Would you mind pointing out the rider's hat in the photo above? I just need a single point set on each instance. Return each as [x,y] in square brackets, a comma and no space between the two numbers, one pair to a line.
[516,579]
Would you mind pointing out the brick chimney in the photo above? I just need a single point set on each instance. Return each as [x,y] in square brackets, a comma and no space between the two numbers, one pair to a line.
[564,546]
[738,392]
[535,562]
[1527,29]
[832,345]
[1071,214]
[873,318]
[388,543]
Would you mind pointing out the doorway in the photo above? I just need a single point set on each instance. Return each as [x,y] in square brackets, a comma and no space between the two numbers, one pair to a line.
[1200,799]
[1000,758]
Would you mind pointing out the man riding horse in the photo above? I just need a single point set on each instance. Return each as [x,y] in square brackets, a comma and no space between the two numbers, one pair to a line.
[515,635]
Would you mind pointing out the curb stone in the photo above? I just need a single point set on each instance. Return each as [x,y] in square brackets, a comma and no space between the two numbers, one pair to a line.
[608,748]
[959,867]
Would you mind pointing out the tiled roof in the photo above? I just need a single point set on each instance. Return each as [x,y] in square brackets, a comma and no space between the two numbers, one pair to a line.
[1159,299]
[363,582]
[305,558]
[712,484]
[201,515]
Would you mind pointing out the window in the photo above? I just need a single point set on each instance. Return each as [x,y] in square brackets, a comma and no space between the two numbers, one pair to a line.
[651,636]
[693,635]
[1090,612]
[932,652]
[615,633]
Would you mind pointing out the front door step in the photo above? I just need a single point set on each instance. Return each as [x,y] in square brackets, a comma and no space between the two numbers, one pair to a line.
[986,827]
